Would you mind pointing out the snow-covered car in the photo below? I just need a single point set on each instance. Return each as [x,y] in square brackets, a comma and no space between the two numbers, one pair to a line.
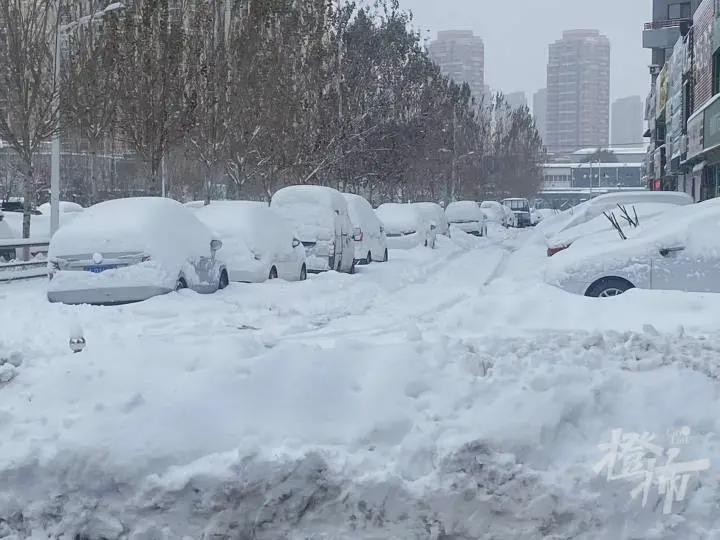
[677,250]
[435,213]
[368,232]
[258,244]
[129,250]
[320,219]
[600,224]
[66,207]
[521,208]
[497,213]
[595,207]
[405,227]
[468,217]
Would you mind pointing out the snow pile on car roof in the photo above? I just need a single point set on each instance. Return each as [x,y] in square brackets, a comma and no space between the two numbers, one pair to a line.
[398,217]
[464,211]
[162,228]
[66,207]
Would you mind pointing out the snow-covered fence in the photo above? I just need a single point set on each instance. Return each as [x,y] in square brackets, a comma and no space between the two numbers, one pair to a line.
[17,269]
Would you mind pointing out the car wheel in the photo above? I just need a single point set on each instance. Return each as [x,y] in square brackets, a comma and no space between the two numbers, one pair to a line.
[224,280]
[303,273]
[385,256]
[426,243]
[608,287]
[181,284]
[369,258]
[353,269]
[273,273]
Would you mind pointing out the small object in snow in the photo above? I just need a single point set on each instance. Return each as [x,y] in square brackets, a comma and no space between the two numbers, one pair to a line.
[77,344]
[77,339]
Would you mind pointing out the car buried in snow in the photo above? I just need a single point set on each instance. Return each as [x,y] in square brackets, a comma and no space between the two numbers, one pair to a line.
[258,244]
[676,250]
[406,227]
[368,232]
[435,214]
[129,250]
[321,221]
[468,217]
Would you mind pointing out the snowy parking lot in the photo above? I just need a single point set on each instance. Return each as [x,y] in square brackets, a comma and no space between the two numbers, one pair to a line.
[446,394]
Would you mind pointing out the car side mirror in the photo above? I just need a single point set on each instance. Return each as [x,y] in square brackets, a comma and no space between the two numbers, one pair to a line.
[433,226]
[382,229]
[215,245]
[296,243]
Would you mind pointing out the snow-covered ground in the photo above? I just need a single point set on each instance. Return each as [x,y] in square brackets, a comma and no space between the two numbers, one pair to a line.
[447,394]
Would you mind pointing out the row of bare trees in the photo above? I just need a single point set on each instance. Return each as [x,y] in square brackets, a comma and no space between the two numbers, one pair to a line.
[240,97]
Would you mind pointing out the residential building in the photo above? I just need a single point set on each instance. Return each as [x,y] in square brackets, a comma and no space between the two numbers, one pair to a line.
[578,91]
[516,100]
[461,56]
[627,121]
[540,110]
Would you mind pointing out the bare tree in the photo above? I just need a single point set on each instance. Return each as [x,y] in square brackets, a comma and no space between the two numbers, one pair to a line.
[28,105]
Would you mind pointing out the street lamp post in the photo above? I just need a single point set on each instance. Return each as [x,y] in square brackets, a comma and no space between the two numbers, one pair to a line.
[55,158]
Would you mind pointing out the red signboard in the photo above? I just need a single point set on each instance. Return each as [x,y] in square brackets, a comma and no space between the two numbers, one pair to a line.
[657,185]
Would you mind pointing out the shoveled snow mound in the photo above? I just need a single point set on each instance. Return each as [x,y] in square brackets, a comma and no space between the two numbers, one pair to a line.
[466,438]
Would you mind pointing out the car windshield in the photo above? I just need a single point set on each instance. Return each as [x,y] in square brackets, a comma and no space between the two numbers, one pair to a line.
[359,269]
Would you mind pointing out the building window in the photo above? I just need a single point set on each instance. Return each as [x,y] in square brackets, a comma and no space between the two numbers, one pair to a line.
[680,10]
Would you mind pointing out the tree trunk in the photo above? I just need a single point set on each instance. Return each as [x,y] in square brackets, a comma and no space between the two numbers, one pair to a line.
[93,184]
[28,197]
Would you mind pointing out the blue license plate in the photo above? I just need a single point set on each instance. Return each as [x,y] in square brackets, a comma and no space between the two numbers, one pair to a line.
[100,268]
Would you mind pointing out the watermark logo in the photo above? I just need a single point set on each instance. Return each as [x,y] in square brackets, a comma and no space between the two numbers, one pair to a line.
[636,456]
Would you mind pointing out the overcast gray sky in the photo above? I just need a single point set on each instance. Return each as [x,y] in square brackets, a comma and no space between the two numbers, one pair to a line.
[517,34]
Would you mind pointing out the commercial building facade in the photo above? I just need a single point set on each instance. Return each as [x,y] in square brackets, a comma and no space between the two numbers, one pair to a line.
[578,92]
[461,56]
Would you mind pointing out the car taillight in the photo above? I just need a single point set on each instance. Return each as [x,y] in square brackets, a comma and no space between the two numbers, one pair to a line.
[358,236]
[554,250]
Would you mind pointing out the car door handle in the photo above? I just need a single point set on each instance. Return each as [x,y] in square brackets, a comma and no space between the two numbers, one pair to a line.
[667,251]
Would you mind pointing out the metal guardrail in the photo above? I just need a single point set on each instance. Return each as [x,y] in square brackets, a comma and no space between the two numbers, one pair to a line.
[18,268]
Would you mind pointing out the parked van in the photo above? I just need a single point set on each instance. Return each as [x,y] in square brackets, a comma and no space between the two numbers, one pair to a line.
[322,223]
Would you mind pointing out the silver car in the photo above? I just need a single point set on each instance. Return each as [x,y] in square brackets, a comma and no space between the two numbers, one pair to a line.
[677,250]
[129,250]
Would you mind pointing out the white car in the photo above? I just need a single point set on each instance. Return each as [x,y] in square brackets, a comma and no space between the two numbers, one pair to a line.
[468,217]
[368,232]
[257,243]
[497,213]
[521,208]
[600,224]
[128,250]
[320,219]
[435,213]
[677,250]
[6,233]
[405,226]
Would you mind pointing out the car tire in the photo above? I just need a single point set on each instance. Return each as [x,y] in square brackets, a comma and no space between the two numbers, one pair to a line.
[273,273]
[608,287]
[353,269]
[224,280]
[369,258]
[181,284]
[303,273]
[385,256]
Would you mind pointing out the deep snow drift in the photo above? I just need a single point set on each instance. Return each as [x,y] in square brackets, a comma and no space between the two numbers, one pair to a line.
[447,394]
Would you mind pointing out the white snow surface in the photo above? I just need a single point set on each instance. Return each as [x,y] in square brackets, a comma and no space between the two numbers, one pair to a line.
[399,217]
[464,211]
[446,394]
